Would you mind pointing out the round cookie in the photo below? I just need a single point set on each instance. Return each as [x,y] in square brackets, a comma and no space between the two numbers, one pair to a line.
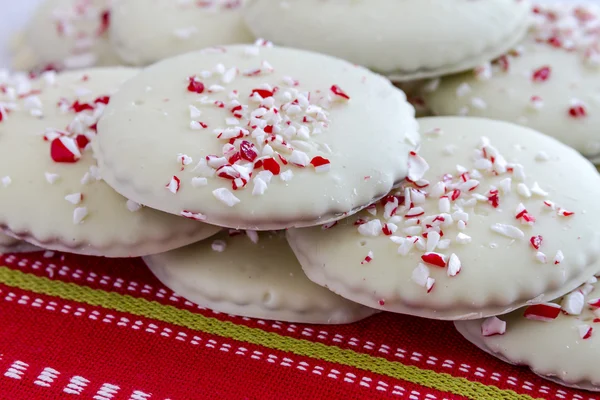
[559,341]
[492,223]
[256,137]
[65,34]
[252,275]
[549,83]
[145,31]
[406,40]
[51,193]
[12,245]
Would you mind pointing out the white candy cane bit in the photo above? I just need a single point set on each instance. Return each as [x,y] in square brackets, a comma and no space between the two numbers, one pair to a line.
[523,190]
[519,172]
[463,89]
[559,257]
[417,167]
[433,238]
[461,225]
[406,244]
[194,112]
[537,190]
[454,265]
[483,164]
[51,178]
[550,205]
[493,326]
[420,275]
[79,215]
[133,206]
[252,235]
[372,228]
[225,196]
[573,303]
[6,181]
[368,258]
[218,246]
[585,331]
[461,238]
[260,186]
[542,156]
[508,231]
[199,182]
[479,103]
[74,198]
[541,257]
[483,72]
[444,204]
[299,158]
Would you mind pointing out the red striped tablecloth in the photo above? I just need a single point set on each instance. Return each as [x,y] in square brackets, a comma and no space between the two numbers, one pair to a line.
[75,327]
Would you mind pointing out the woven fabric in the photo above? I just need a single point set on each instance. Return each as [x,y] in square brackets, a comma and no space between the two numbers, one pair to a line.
[91,328]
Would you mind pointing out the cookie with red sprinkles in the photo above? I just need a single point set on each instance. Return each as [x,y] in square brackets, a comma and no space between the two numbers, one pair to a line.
[559,341]
[406,40]
[493,216]
[145,31]
[549,82]
[256,137]
[51,192]
[251,274]
[65,34]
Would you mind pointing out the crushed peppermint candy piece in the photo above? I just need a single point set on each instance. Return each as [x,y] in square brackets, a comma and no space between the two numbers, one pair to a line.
[6,181]
[74,198]
[585,331]
[79,215]
[174,185]
[573,303]
[493,326]
[542,312]
[193,216]
[508,231]
[133,206]
[218,246]
[368,258]
[51,178]
[226,196]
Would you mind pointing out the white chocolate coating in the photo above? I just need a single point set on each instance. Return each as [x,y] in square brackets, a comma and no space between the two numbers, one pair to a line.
[65,206]
[65,34]
[406,39]
[262,280]
[145,31]
[11,245]
[555,350]
[509,90]
[498,271]
[146,141]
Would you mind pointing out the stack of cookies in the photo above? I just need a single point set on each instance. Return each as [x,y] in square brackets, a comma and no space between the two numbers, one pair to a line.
[293,183]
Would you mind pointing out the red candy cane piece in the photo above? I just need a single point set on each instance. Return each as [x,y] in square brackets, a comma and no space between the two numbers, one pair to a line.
[542,312]
[536,241]
[337,91]
[195,86]
[437,259]
[64,149]
[321,164]
[541,74]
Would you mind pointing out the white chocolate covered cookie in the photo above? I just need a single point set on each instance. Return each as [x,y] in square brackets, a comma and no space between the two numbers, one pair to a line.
[252,275]
[494,216]
[11,245]
[559,341]
[145,31]
[51,192]
[549,83]
[256,137]
[65,34]
[407,39]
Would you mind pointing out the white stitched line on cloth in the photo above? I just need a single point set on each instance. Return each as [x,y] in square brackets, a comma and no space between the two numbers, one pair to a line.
[309,332]
[78,384]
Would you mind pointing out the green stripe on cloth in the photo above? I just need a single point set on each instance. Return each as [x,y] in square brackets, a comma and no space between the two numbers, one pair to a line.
[169,314]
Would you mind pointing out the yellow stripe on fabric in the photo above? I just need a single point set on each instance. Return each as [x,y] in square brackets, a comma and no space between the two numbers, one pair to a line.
[153,310]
